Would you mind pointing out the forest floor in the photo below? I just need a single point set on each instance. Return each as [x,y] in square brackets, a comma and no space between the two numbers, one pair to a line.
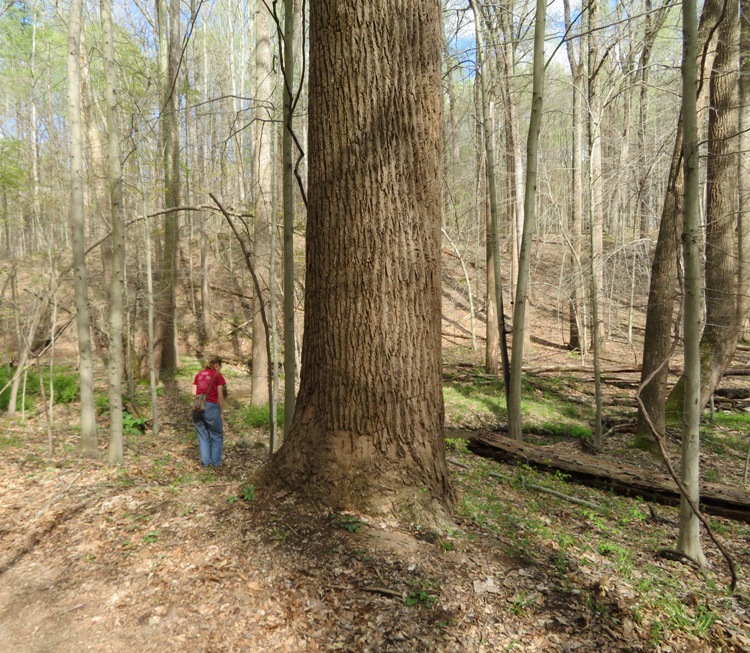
[159,555]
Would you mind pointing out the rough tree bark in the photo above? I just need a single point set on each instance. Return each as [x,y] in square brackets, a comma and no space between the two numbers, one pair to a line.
[368,427]
[721,332]
[664,267]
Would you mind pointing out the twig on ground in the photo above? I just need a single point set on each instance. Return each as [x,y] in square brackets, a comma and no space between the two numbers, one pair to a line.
[554,493]
[56,497]
[382,590]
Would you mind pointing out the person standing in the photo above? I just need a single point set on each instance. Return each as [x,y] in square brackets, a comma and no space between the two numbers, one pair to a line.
[209,425]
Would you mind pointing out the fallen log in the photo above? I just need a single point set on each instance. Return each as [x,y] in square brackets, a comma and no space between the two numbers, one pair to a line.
[716,499]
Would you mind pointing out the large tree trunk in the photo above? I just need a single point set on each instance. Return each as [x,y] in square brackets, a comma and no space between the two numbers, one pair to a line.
[663,286]
[743,229]
[368,428]
[721,332]
[88,445]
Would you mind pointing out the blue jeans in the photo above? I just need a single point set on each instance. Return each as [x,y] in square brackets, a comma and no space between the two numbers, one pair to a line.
[210,429]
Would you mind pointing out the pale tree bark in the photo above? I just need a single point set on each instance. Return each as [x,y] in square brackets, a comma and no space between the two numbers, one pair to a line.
[596,208]
[689,530]
[514,154]
[32,226]
[115,360]
[262,192]
[88,444]
[595,180]
[515,425]
[482,210]
[367,433]
[287,147]
[576,325]
[25,344]
[203,140]
[97,179]
[494,223]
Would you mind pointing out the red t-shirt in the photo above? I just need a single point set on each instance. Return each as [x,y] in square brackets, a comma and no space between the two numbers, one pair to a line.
[203,380]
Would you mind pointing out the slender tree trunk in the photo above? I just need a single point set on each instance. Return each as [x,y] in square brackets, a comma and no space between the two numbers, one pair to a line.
[208,323]
[88,445]
[575,321]
[118,242]
[515,426]
[595,182]
[367,432]
[169,51]
[483,213]
[262,198]
[287,145]
[689,533]
[34,138]
[494,223]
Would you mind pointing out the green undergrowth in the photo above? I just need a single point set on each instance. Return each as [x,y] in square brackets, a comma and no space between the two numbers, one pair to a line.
[725,433]
[64,386]
[256,417]
[601,555]
[474,400]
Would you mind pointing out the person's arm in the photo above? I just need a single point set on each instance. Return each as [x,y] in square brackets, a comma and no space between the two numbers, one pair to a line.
[194,391]
[220,397]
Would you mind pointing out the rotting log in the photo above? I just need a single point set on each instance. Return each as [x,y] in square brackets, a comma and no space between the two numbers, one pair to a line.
[716,499]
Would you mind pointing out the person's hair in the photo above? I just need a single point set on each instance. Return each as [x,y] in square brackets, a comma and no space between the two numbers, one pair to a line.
[214,360]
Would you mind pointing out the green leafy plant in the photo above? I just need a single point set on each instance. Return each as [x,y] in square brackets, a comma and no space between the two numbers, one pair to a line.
[520,602]
[422,595]
[66,388]
[446,546]
[133,425]
[248,493]
[232,498]
[102,404]
[151,537]
[348,522]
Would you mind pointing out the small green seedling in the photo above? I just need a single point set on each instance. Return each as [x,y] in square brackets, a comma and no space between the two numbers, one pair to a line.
[150,538]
